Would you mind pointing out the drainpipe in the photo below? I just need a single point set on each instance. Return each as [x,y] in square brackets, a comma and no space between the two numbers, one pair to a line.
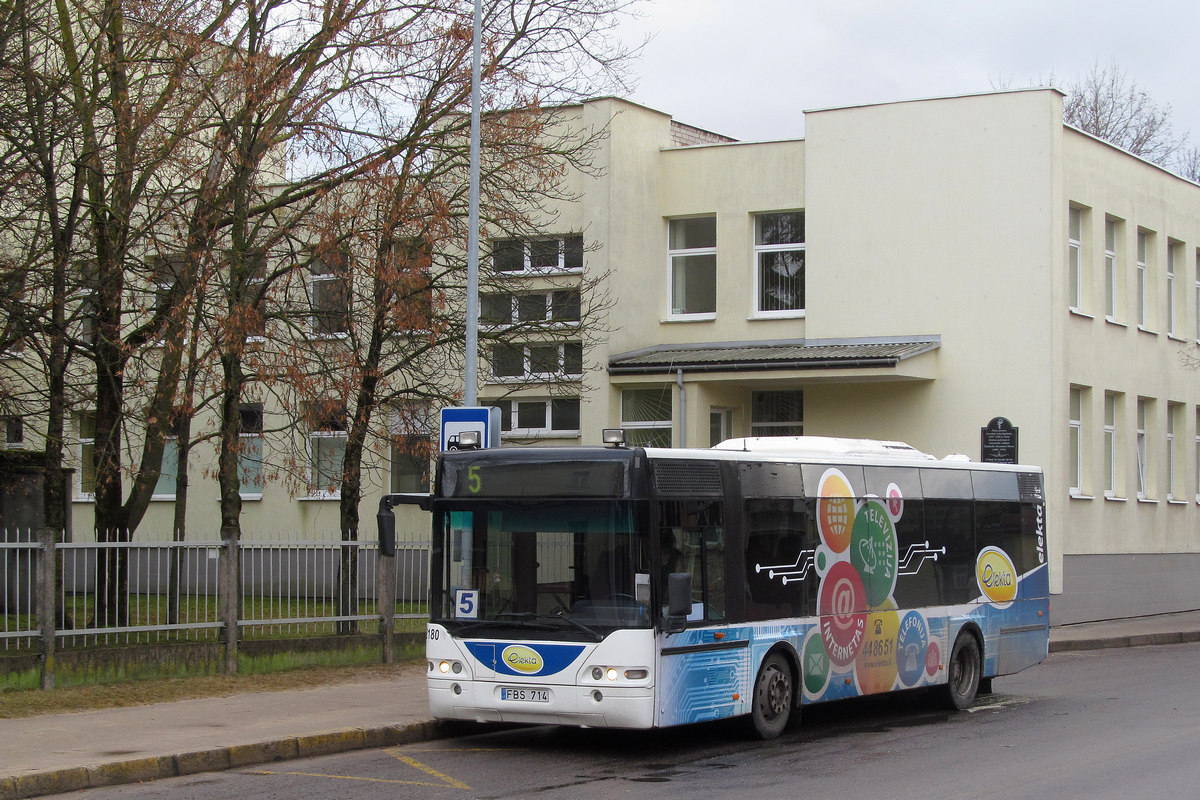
[682,408]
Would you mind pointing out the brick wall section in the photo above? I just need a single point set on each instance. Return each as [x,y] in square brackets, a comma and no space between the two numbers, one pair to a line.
[687,136]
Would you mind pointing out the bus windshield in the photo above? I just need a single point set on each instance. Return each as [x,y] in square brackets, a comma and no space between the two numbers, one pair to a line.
[556,570]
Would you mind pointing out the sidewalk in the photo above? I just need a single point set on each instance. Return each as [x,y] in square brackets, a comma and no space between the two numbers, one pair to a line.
[66,752]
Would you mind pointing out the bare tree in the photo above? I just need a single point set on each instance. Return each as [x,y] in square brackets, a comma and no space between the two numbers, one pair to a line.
[1108,104]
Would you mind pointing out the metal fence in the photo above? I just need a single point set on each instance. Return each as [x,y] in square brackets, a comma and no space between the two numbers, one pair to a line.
[163,591]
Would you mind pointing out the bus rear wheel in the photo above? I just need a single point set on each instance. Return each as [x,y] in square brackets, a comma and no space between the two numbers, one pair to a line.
[771,703]
[965,672]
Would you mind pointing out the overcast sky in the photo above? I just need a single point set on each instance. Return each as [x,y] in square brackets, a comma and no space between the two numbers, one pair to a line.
[749,68]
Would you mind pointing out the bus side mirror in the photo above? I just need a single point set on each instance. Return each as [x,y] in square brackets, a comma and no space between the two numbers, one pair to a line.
[679,601]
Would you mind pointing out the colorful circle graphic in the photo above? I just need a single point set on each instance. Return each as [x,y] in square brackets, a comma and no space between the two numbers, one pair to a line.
[816,665]
[842,605]
[912,642]
[933,658]
[835,510]
[895,501]
[876,660]
[873,551]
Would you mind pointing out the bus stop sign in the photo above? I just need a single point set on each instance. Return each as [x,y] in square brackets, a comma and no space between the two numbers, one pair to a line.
[484,419]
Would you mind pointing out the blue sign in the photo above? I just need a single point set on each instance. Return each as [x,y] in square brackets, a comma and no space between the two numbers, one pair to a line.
[484,419]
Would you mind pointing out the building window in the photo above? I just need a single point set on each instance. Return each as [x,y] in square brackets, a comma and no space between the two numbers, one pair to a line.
[88,309]
[1075,256]
[1197,292]
[1075,439]
[537,417]
[1110,444]
[1142,444]
[554,254]
[164,488]
[529,361]
[1174,453]
[646,416]
[12,328]
[1197,444]
[250,452]
[1112,269]
[412,445]
[692,255]
[329,294]
[326,449]
[507,308]
[720,425]
[167,277]
[1143,278]
[779,262]
[411,263]
[86,484]
[777,413]
[14,433]
[1174,254]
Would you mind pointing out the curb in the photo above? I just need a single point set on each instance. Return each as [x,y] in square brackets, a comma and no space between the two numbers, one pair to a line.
[73,779]
[1135,640]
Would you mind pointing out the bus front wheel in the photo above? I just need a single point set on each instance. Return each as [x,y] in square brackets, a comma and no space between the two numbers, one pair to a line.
[965,672]
[771,704]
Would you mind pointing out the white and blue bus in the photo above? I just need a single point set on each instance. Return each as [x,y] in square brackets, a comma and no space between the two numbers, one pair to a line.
[641,587]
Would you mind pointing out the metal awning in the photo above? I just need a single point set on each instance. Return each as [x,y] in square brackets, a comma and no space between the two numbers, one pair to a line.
[780,354]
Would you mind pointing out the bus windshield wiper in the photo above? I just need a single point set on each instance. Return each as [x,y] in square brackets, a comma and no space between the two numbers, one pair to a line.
[558,617]
[510,620]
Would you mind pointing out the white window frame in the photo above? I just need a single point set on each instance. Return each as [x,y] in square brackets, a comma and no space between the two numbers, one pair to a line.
[765,249]
[312,444]
[333,277]
[1075,256]
[514,311]
[646,426]
[1075,439]
[246,490]
[1143,278]
[527,372]
[86,455]
[1142,448]
[510,409]
[1197,293]
[776,427]
[1112,295]
[411,421]
[681,254]
[720,424]
[14,432]
[1173,249]
[1111,475]
[1197,459]
[526,245]
[1174,418]
[161,492]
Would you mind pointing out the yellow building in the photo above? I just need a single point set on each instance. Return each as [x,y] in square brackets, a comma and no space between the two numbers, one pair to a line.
[908,271]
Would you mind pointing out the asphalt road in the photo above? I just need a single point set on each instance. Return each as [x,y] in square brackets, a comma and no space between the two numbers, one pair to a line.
[1101,724]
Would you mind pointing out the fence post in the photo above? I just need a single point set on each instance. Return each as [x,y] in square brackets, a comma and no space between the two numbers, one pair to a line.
[45,602]
[385,600]
[229,594]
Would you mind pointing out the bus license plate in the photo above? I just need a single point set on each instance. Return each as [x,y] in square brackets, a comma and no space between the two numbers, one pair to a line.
[528,695]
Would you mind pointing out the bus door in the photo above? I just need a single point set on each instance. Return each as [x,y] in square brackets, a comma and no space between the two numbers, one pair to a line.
[703,670]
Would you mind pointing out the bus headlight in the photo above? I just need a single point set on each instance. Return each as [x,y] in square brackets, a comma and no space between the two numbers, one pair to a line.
[450,666]
[616,673]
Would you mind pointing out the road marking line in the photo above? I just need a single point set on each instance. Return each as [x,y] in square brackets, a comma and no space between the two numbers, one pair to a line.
[350,778]
[446,781]
[412,762]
